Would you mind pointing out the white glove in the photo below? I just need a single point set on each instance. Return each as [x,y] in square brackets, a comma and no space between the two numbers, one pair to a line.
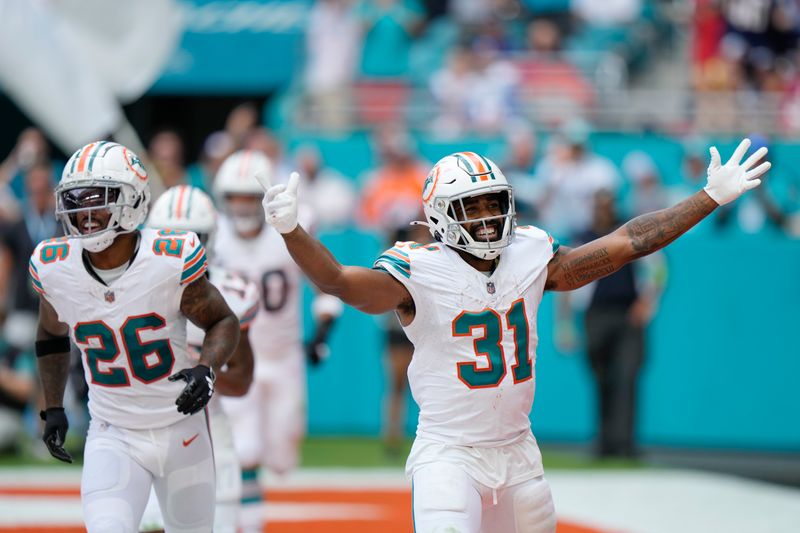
[280,202]
[728,182]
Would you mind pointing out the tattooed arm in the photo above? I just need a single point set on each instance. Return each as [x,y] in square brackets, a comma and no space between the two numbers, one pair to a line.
[573,268]
[206,308]
[570,269]
[53,368]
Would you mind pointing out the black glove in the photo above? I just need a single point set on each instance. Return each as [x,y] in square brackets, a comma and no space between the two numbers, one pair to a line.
[55,431]
[317,349]
[198,390]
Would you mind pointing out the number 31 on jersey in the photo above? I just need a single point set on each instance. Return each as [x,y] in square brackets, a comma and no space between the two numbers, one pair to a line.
[490,345]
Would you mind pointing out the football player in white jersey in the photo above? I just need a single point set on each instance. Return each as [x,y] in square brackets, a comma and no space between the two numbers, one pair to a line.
[123,295]
[269,422]
[189,209]
[468,303]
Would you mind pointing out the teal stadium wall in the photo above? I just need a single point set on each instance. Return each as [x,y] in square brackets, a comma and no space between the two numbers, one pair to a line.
[723,364]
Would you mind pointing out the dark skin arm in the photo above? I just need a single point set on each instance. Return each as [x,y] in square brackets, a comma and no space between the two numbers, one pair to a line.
[235,380]
[203,304]
[53,368]
[572,268]
[368,290]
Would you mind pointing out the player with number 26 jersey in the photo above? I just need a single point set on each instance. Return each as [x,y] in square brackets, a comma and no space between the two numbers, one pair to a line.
[138,315]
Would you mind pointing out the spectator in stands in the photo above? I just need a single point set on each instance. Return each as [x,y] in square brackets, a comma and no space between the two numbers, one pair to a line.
[518,166]
[493,101]
[606,13]
[266,142]
[646,193]
[330,195]
[620,307]
[451,87]
[390,197]
[241,122]
[216,148]
[333,40]
[31,149]
[166,155]
[20,305]
[571,175]
[552,86]
[389,27]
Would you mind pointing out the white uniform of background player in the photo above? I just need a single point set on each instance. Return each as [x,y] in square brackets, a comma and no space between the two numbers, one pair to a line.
[190,209]
[131,331]
[269,422]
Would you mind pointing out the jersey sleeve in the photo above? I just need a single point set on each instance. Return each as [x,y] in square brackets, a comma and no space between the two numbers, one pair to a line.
[194,260]
[395,261]
[33,274]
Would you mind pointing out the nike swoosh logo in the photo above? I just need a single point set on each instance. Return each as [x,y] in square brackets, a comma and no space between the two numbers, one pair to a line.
[187,442]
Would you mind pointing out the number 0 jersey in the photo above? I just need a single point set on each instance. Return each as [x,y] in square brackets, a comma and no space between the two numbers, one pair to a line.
[474,336]
[132,334]
[265,261]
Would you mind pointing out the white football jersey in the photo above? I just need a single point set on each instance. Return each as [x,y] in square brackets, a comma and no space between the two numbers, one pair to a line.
[240,295]
[265,261]
[474,336]
[132,334]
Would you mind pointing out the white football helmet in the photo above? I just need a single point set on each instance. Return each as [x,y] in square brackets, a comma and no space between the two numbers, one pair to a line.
[102,175]
[457,177]
[236,176]
[185,208]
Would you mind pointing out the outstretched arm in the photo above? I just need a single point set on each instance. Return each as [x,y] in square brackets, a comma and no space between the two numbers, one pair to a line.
[368,290]
[573,268]
[371,291]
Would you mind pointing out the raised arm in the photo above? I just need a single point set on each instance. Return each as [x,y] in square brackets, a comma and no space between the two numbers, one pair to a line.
[370,291]
[573,268]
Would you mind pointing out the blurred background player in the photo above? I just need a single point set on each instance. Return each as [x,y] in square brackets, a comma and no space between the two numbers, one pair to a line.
[112,288]
[269,422]
[185,208]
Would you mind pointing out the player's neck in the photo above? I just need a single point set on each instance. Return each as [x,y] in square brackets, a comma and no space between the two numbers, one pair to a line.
[116,255]
[481,265]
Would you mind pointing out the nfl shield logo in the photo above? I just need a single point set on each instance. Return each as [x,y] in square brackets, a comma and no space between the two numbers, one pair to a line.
[490,287]
[109,296]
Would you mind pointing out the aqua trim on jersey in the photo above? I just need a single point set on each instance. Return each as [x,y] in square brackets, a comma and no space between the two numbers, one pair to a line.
[248,316]
[397,259]
[194,266]
[34,274]
[554,243]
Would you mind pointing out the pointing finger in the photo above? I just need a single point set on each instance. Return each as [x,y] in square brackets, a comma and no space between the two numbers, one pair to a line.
[294,181]
[740,151]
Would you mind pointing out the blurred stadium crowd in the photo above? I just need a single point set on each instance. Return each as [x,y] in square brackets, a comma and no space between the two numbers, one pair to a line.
[539,75]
